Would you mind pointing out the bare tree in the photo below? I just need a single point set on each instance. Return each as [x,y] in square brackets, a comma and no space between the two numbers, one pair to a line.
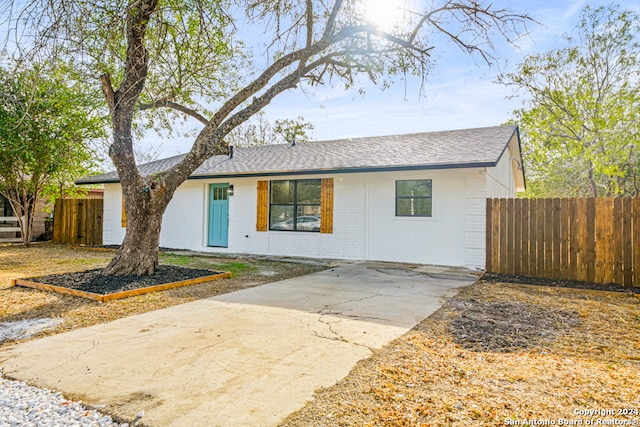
[260,131]
[159,56]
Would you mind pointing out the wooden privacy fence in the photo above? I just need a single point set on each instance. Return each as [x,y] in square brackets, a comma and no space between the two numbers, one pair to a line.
[78,221]
[595,240]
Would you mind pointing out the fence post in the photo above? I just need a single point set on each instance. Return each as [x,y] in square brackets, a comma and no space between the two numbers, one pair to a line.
[555,238]
[525,247]
[627,245]
[510,234]
[517,235]
[564,239]
[488,254]
[616,242]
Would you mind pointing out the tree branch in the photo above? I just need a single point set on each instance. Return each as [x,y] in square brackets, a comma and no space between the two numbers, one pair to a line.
[261,81]
[309,23]
[179,107]
[309,42]
[107,89]
[331,22]
[137,58]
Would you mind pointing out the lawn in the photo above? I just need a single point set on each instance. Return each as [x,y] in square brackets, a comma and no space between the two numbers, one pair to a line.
[499,354]
[68,312]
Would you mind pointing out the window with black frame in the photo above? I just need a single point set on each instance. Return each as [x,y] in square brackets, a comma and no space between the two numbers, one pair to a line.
[294,205]
[413,197]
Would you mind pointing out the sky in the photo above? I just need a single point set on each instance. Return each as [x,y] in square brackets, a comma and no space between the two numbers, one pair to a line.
[460,92]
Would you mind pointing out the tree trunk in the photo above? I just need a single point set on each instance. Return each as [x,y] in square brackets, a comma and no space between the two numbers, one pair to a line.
[23,206]
[143,201]
[30,215]
[25,227]
[592,180]
[138,254]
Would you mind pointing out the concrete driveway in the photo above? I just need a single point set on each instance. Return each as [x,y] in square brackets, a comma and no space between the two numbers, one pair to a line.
[248,358]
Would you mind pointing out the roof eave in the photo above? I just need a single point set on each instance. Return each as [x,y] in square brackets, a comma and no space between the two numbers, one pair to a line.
[317,171]
[87,181]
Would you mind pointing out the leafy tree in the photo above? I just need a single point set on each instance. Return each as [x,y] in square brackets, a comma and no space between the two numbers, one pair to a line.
[201,58]
[44,127]
[580,123]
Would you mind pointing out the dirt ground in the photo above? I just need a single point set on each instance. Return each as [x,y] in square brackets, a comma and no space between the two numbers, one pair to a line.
[499,354]
[41,259]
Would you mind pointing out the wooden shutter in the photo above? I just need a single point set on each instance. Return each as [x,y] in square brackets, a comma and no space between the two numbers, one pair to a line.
[124,215]
[263,206]
[326,206]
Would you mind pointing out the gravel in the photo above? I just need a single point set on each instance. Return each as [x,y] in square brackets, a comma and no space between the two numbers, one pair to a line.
[27,406]
[21,329]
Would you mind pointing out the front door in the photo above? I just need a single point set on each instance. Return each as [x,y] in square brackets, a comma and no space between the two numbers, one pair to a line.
[218,215]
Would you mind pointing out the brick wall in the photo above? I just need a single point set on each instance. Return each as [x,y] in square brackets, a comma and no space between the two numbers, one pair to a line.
[474,218]
[364,222]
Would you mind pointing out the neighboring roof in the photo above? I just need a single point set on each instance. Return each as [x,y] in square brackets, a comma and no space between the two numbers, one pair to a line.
[480,147]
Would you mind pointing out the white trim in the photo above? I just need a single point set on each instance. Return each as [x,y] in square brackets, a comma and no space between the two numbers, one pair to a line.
[10,229]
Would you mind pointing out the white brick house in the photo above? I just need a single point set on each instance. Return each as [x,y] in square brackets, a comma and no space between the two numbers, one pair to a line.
[416,198]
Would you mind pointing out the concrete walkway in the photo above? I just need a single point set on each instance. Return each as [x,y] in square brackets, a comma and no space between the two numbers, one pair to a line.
[248,358]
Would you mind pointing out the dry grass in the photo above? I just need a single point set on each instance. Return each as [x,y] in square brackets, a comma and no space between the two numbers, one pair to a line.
[478,361]
[494,355]
[17,303]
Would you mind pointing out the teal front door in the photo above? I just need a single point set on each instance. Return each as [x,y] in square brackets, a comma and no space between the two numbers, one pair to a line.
[218,215]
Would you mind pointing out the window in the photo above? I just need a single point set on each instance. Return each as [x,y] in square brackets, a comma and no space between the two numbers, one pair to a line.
[294,205]
[413,197]
[5,207]
[220,193]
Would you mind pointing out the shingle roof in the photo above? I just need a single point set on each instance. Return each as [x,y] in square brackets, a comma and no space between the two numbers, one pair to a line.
[480,147]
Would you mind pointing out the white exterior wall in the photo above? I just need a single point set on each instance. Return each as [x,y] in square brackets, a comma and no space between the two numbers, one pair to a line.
[364,223]
[475,217]
[438,239]
[112,231]
[183,222]
[495,182]
[500,181]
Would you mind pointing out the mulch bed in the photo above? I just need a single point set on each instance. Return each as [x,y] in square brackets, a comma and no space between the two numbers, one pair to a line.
[558,283]
[507,326]
[93,281]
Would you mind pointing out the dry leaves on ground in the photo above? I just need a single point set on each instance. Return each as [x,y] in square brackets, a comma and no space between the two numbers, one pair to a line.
[497,354]
[17,303]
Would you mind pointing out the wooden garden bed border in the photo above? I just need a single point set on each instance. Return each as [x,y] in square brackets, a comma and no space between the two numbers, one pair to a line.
[117,295]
